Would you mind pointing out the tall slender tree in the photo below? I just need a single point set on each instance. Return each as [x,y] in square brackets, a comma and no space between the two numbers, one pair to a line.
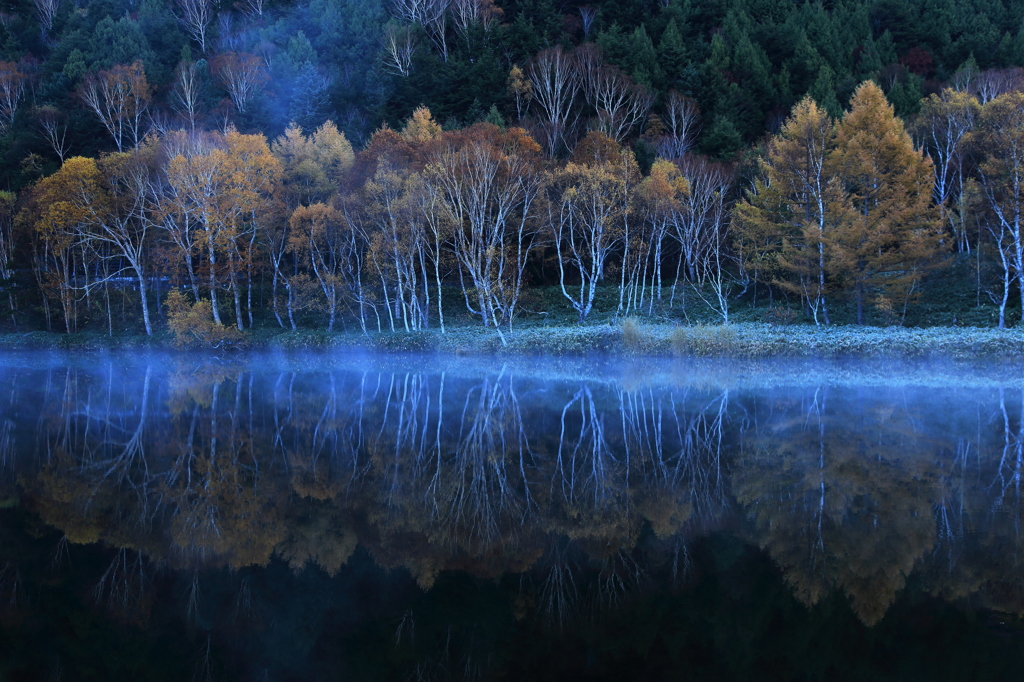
[1000,144]
[799,204]
[895,236]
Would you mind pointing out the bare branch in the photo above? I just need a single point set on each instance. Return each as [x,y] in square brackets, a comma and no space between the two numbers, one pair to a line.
[587,15]
[242,75]
[399,47]
[432,15]
[54,129]
[195,17]
[12,89]
[46,12]
[119,98]
[681,118]
[554,83]
[185,92]
[252,8]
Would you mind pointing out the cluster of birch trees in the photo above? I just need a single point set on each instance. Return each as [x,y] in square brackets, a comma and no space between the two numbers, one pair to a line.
[375,240]
[380,240]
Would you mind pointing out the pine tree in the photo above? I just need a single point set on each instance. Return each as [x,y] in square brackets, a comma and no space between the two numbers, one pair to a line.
[311,102]
[672,52]
[823,91]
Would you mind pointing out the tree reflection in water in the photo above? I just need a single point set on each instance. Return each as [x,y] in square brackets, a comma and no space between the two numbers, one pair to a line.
[586,491]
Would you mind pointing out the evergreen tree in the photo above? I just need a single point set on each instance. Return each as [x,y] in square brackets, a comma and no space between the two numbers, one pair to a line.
[672,56]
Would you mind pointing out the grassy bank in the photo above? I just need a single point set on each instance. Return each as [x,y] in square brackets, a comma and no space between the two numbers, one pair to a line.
[629,338]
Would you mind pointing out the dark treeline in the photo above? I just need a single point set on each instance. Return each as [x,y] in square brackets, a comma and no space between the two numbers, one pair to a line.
[206,153]
[265,63]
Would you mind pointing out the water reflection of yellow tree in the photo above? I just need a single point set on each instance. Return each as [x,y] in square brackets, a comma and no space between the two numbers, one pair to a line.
[840,497]
[223,506]
[430,472]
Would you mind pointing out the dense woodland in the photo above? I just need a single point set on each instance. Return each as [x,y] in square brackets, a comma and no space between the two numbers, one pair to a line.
[400,166]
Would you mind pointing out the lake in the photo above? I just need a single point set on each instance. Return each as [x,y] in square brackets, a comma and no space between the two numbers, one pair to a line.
[309,517]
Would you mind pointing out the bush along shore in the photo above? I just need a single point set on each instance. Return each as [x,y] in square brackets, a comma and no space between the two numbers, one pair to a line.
[630,337]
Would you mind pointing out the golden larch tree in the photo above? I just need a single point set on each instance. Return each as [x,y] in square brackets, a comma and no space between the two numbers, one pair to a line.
[894,238]
[796,206]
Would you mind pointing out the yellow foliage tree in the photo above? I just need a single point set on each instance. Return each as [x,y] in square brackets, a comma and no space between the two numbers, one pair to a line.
[193,326]
[312,166]
[796,206]
[421,127]
[895,236]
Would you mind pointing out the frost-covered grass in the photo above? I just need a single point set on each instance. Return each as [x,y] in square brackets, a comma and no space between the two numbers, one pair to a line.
[633,338]
[626,338]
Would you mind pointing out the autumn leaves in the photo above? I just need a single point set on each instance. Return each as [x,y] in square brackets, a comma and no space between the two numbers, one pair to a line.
[305,228]
[843,207]
[851,209]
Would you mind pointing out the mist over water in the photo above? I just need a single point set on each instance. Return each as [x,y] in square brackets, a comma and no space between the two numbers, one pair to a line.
[283,516]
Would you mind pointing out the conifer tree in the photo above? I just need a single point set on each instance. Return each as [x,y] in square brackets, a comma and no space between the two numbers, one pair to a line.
[895,236]
[421,127]
[797,206]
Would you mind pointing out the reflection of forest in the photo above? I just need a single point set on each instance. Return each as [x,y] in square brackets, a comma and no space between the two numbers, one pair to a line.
[847,489]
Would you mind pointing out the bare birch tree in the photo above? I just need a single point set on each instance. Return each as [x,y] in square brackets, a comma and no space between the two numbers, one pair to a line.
[12,89]
[588,14]
[992,83]
[253,8]
[195,17]
[185,93]
[621,105]
[588,213]
[120,232]
[8,202]
[681,119]
[431,15]
[943,127]
[705,234]
[243,76]
[46,12]
[554,84]
[119,98]
[1000,141]
[489,180]
[399,48]
[468,14]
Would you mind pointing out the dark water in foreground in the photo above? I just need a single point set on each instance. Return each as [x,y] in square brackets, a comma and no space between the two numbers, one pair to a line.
[322,518]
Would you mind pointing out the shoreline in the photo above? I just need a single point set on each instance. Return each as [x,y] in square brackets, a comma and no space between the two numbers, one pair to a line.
[629,339]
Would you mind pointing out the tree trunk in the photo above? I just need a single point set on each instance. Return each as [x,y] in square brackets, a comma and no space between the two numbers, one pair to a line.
[213,281]
[860,303]
[145,304]
[236,292]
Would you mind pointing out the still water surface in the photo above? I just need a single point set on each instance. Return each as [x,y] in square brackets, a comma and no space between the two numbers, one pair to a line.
[322,517]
